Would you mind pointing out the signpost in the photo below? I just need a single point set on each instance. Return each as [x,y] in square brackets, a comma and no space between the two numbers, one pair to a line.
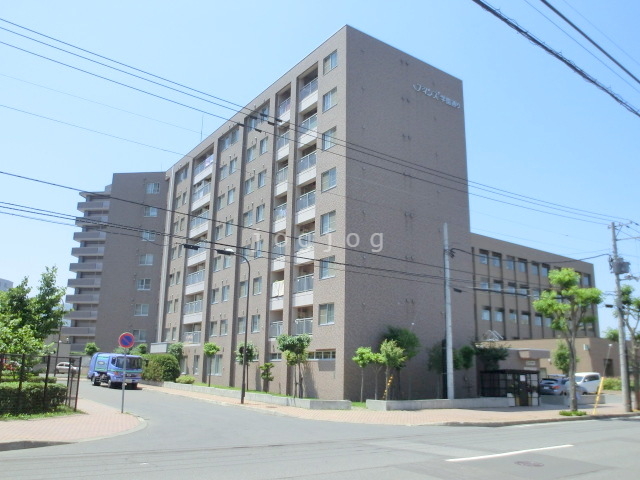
[126,340]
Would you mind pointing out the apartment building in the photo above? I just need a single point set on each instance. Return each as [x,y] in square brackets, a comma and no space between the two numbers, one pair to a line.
[119,262]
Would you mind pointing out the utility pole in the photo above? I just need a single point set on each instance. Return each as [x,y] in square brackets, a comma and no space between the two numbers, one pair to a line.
[617,267]
[447,315]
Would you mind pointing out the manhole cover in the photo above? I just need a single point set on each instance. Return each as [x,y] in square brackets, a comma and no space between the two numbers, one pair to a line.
[530,464]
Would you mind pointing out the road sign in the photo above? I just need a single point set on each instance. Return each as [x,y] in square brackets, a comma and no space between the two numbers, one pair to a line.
[126,340]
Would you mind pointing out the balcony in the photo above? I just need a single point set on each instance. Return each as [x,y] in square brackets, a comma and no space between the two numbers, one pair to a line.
[191,337]
[78,332]
[304,245]
[84,282]
[276,329]
[305,207]
[84,298]
[195,257]
[303,325]
[309,95]
[308,131]
[82,315]
[86,267]
[284,111]
[87,251]
[199,224]
[92,220]
[192,312]
[194,282]
[93,205]
[303,295]
[200,197]
[203,170]
[280,217]
[92,236]
[304,283]
[282,145]
[281,180]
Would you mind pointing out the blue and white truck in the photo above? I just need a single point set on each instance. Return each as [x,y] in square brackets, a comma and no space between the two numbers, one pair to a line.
[108,368]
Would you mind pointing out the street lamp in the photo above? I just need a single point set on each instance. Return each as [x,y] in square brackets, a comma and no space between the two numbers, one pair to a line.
[229,252]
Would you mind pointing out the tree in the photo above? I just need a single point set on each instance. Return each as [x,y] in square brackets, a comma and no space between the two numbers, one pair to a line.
[18,339]
[462,360]
[363,357]
[491,354]
[265,374]
[294,349]
[392,357]
[175,349]
[210,349]
[569,307]
[90,348]
[42,312]
[560,357]
[407,341]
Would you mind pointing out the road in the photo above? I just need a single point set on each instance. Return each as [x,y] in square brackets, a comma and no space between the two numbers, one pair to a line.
[195,439]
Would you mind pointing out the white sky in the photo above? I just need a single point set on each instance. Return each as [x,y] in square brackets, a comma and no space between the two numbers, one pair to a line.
[533,126]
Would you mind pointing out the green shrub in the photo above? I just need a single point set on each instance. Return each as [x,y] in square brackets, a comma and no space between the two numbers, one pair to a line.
[186,379]
[571,413]
[161,367]
[612,383]
[32,398]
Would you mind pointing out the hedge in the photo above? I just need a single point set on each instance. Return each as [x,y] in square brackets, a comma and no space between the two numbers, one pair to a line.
[32,397]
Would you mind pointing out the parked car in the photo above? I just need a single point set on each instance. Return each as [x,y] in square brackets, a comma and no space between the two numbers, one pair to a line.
[63,367]
[588,381]
[553,386]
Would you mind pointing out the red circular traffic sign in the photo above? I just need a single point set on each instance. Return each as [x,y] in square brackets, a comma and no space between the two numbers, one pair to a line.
[126,340]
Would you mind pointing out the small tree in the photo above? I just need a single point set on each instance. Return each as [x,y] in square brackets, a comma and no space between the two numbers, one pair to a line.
[491,354]
[161,367]
[569,307]
[407,341]
[140,349]
[90,348]
[363,357]
[175,349]
[560,357]
[210,349]
[294,349]
[265,375]
[392,357]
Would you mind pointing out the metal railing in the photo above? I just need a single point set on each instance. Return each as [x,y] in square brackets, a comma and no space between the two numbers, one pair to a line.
[191,337]
[202,166]
[305,201]
[275,329]
[304,283]
[307,162]
[305,240]
[195,277]
[199,220]
[202,249]
[309,124]
[284,106]
[279,249]
[281,175]
[309,88]
[303,325]
[193,307]
[282,140]
[201,192]
[280,211]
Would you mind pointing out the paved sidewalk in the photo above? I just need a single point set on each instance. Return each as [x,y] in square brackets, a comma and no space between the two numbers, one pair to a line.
[106,421]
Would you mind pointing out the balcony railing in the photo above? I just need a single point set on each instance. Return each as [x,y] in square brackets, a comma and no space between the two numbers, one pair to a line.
[200,167]
[304,283]
[281,175]
[279,249]
[309,88]
[303,325]
[199,220]
[307,162]
[305,201]
[282,140]
[284,106]
[192,252]
[309,124]
[280,211]
[305,240]
[195,277]
[201,192]
[191,337]
[193,307]
[275,329]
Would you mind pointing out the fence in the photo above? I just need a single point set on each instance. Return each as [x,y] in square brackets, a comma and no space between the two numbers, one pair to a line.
[38,384]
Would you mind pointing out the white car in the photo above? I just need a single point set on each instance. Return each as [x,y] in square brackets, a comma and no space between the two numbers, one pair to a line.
[588,381]
[63,367]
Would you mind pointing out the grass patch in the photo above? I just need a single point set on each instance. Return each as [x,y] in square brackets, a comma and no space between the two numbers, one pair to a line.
[358,404]
[60,411]
[571,413]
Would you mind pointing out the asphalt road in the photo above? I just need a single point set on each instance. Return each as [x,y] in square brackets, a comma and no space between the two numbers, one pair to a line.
[193,439]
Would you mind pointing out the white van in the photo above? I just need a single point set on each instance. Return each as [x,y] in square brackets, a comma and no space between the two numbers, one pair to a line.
[588,382]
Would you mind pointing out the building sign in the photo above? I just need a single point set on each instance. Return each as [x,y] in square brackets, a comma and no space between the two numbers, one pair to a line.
[436,95]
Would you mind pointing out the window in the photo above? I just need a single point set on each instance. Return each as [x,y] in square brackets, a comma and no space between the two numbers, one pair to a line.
[513,316]
[523,290]
[486,313]
[255,323]
[152,188]
[547,322]
[150,212]
[182,174]
[326,314]
[145,259]
[223,172]
[524,318]
[522,265]
[328,179]
[511,287]
[535,268]
[328,223]
[499,315]
[172,279]
[141,310]
[544,271]
[537,320]
[264,145]
[257,285]
[216,364]
[275,356]
[225,293]
[262,179]
[169,306]
[483,257]
[215,295]
[148,236]
[247,218]
[509,262]
[329,99]
[258,249]
[228,228]
[220,201]
[330,62]
[535,294]
[484,283]
[586,280]
[251,154]
[140,335]
[328,139]
[322,355]
[143,284]
[249,185]
[228,140]
[260,213]
[496,259]
[226,261]
[217,234]
[224,327]
[217,263]
[242,324]
[497,285]
[243,289]
[213,328]
[178,278]
[231,196]
[233,165]
[327,269]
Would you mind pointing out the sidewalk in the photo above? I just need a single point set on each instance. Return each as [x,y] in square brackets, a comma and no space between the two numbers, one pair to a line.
[106,421]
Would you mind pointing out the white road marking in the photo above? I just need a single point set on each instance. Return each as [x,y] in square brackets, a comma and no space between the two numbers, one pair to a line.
[506,454]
